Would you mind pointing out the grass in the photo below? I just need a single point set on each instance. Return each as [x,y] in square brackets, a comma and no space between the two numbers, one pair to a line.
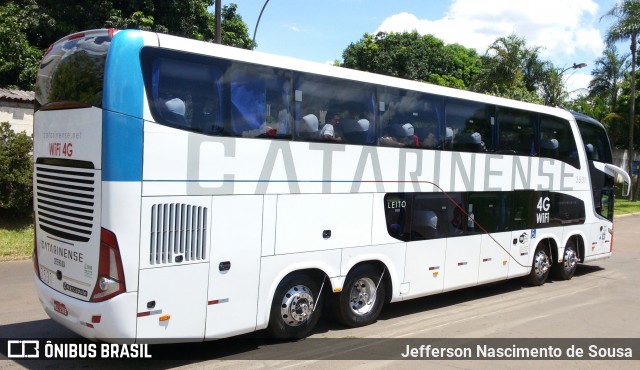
[624,206]
[16,239]
[16,236]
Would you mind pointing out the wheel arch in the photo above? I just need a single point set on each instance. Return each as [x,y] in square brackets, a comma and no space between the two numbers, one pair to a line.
[386,277]
[578,239]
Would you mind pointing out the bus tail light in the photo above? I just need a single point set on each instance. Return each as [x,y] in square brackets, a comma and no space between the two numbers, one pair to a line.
[611,240]
[110,280]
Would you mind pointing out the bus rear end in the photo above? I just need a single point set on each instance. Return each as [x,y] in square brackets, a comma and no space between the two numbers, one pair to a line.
[80,277]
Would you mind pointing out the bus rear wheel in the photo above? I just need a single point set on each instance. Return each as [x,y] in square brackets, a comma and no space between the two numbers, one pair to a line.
[295,309]
[567,268]
[362,298]
[540,267]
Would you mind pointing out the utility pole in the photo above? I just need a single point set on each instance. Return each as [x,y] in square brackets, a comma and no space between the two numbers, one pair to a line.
[218,36]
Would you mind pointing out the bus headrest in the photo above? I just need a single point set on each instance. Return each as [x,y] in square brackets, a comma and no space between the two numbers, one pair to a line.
[309,123]
[407,128]
[176,106]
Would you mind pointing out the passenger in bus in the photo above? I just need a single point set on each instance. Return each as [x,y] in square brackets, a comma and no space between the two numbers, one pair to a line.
[470,142]
[356,132]
[264,130]
[429,141]
[308,127]
[406,138]
[329,131]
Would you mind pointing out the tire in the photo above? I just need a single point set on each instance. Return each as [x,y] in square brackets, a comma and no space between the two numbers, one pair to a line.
[540,267]
[360,303]
[294,309]
[567,268]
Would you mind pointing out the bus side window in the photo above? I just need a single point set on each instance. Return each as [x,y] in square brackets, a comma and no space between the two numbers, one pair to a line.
[515,132]
[556,134]
[469,124]
[429,216]
[344,109]
[397,215]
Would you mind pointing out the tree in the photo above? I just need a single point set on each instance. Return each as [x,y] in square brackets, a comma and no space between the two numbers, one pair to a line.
[19,60]
[607,76]
[16,169]
[412,56]
[511,69]
[28,27]
[627,27]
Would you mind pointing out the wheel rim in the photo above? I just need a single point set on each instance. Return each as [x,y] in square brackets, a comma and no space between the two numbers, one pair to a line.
[297,305]
[362,296]
[570,260]
[541,264]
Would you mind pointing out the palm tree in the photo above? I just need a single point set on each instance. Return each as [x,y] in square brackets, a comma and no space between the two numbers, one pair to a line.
[627,26]
[607,76]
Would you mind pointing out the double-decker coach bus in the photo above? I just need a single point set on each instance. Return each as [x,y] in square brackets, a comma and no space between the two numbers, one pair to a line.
[187,191]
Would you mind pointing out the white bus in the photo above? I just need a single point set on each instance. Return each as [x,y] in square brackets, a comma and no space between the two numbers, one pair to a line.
[186,191]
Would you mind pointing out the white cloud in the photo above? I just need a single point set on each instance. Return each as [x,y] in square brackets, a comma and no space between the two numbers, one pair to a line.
[565,29]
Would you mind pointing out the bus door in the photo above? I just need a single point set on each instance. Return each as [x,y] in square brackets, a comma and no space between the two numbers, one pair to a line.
[236,237]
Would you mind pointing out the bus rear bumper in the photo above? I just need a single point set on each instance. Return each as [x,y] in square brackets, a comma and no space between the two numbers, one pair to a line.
[117,316]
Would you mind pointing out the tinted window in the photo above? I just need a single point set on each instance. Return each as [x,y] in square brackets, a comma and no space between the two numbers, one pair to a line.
[468,126]
[595,141]
[515,132]
[557,140]
[259,102]
[410,119]
[184,91]
[333,110]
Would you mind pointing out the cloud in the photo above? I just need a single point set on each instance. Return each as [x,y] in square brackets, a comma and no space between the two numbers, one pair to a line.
[294,28]
[563,28]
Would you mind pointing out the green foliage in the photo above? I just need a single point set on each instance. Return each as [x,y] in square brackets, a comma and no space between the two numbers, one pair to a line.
[19,59]
[411,56]
[16,169]
[28,27]
[514,70]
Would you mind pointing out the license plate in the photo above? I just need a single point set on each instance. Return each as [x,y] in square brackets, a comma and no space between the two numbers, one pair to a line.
[60,308]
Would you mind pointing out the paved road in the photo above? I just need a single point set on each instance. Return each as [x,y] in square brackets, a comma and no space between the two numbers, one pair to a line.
[601,301]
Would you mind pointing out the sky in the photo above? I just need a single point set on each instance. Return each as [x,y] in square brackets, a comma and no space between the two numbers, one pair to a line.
[568,31]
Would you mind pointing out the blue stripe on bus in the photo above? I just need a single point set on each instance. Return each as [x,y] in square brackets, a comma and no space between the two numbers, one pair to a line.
[123,96]
[121,147]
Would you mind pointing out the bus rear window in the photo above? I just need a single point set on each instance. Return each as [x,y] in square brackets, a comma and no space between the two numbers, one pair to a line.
[72,72]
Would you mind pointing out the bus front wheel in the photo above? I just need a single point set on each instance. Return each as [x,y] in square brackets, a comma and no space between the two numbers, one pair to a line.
[540,267]
[362,297]
[295,309]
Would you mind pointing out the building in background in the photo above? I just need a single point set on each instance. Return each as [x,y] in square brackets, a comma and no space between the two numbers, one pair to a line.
[16,107]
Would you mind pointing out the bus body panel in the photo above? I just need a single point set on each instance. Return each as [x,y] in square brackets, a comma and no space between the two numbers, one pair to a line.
[172,303]
[521,252]
[424,267]
[67,199]
[462,262]
[117,316]
[323,221]
[120,213]
[234,274]
[494,257]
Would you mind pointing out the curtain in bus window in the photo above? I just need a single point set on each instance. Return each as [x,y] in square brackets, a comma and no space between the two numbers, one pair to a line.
[248,104]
